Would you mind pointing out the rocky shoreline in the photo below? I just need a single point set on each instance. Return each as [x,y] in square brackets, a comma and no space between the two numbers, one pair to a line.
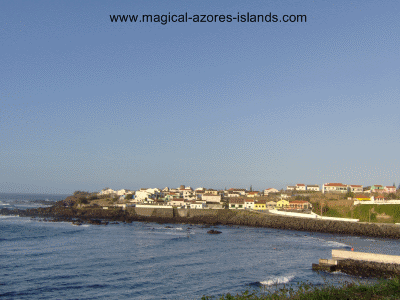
[98,216]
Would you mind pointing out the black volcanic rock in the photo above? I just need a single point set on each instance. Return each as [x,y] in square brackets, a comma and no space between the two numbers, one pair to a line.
[212,231]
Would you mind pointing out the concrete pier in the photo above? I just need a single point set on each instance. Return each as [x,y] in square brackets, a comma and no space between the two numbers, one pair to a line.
[361,264]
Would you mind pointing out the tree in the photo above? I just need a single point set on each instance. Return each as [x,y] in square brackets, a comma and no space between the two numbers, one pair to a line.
[391,196]
[129,196]
[251,188]
[349,195]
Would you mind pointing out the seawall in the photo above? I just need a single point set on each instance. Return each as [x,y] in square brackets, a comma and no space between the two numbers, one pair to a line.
[215,217]
[361,264]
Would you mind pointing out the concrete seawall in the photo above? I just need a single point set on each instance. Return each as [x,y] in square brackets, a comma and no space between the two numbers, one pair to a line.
[361,264]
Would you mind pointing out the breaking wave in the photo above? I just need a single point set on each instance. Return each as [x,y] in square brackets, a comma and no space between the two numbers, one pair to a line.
[277,280]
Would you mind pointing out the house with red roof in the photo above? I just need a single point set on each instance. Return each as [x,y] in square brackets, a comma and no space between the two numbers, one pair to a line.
[334,187]
[354,188]
[389,189]
[377,188]
[253,194]
[300,187]
[299,205]
[236,203]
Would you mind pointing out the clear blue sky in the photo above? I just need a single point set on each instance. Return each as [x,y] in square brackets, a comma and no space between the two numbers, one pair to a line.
[86,103]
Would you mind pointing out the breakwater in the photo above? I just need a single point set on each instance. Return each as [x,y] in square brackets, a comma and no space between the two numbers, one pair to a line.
[361,264]
[212,217]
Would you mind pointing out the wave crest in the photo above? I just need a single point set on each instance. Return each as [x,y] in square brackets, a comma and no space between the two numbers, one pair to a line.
[277,280]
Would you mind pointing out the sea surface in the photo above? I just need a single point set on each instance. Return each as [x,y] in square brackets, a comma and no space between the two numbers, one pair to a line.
[50,260]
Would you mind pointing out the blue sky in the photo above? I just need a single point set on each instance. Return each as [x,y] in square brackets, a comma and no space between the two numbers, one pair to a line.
[86,103]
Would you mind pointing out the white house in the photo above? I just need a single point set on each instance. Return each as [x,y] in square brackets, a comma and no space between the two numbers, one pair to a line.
[300,187]
[240,191]
[249,203]
[188,194]
[211,198]
[253,194]
[236,203]
[313,187]
[334,187]
[144,194]
[197,205]
[122,192]
[107,191]
[233,194]
[270,190]
[290,188]
[355,188]
[389,189]
[177,202]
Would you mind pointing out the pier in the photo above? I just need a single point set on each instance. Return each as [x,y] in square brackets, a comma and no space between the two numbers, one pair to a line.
[360,264]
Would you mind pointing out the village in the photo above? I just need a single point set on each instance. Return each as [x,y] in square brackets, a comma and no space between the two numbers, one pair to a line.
[298,198]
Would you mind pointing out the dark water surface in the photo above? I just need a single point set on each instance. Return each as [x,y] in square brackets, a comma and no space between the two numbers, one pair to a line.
[45,260]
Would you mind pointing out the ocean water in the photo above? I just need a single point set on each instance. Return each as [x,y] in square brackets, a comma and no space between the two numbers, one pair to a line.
[50,260]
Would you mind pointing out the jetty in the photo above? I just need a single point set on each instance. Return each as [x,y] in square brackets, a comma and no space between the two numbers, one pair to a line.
[360,264]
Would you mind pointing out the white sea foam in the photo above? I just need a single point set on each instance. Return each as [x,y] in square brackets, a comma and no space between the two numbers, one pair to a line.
[7,217]
[336,244]
[277,280]
[324,242]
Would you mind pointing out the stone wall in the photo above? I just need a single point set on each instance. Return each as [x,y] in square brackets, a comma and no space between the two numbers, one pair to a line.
[202,213]
[368,269]
[163,212]
[144,211]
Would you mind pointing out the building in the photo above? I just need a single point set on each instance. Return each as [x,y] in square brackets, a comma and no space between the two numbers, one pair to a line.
[313,187]
[362,197]
[301,187]
[107,191]
[389,189]
[144,194]
[334,188]
[377,188]
[253,194]
[122,192]
[211,191]
[249,203]
[233,194]
[211,198]
[270,204]
[299,205]
[355,188]
[177,202]
[291,188]
[236,203]
[260,205]
[270,190]
[240,191]
[197,205]
[282,203]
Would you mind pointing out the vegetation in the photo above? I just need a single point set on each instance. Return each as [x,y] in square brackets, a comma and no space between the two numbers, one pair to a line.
[301,197]
[362,212]
[384,289]
[349,195]
[129,197]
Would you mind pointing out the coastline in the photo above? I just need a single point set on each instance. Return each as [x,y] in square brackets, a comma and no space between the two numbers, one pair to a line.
[99,216]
